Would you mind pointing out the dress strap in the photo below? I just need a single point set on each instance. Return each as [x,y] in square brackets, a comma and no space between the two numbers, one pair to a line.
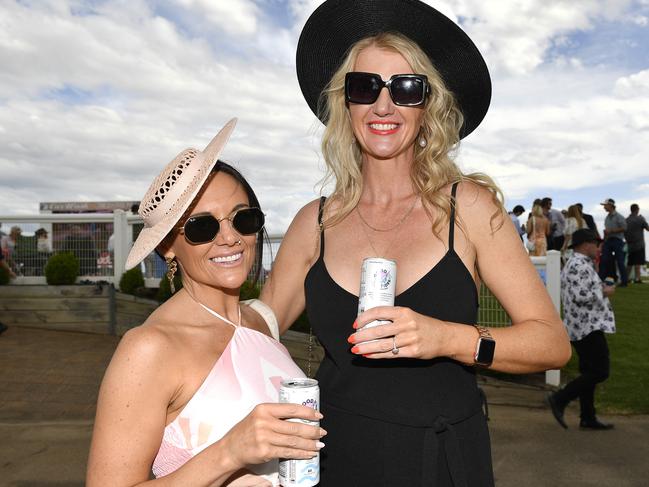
[320,214]
[451,222]
[214,313]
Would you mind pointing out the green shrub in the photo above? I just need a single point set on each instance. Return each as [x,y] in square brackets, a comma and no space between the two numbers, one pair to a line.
[62,268]
[164,292]
[4,276]
[249,291]
[131,281]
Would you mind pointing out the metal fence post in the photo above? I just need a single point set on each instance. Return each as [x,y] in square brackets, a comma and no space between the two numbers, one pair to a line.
[120,229]
[553,284]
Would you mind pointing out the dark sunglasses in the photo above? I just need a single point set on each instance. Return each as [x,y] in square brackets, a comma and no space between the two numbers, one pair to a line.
[204,227]
[407,90]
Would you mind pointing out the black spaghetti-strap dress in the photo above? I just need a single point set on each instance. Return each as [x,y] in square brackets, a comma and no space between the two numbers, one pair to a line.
[400,422]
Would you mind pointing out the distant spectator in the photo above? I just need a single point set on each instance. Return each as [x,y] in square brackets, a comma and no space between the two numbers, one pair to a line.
[588,314]
[538,229]
[8,246]
[613,247]
[590,221]
[574,222]
[635,224]
[514,214]
[557,224]
[3,265]
[42,241]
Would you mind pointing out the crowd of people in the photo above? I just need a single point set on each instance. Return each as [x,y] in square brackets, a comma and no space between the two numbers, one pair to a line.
[622,251]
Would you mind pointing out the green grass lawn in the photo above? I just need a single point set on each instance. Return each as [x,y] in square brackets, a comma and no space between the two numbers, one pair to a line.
[627,389]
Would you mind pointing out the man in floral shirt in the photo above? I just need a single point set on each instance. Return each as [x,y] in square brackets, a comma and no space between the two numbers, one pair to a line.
[588,315]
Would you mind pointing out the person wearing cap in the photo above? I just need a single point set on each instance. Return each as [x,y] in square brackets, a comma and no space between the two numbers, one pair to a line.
[192,393]
[588,316]
[613,246]
[636,224]
[397,85]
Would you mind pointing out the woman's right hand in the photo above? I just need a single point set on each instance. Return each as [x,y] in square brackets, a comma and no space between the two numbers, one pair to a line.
[265,434]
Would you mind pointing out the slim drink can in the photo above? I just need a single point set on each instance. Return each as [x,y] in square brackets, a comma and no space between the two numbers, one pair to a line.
[300,473]
[378,284]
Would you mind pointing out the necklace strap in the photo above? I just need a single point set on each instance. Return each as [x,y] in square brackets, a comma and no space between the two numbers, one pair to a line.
[222,318]
[393,227]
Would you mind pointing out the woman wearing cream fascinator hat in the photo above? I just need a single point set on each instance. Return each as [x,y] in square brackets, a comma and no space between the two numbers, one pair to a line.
[191,395]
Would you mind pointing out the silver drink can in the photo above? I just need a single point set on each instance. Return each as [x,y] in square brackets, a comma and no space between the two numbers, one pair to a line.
[300,473]
[378,284]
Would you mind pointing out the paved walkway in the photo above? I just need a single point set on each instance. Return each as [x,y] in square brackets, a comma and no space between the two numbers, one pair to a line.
[49,382]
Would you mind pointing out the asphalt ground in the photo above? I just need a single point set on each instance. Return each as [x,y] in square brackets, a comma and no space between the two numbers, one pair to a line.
[49,382]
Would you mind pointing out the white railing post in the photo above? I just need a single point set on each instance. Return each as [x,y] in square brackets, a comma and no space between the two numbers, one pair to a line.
[553,285]
[121,244]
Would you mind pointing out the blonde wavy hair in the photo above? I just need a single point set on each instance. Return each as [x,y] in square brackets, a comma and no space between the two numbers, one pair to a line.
[573,211]
[433,166]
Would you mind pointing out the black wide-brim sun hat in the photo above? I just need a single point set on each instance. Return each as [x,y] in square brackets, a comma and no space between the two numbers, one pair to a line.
[336,25]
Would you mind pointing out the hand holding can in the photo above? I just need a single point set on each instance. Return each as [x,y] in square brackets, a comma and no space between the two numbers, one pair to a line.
[292,472]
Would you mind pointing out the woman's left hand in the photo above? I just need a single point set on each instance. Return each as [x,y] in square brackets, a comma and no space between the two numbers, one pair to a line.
[410,334]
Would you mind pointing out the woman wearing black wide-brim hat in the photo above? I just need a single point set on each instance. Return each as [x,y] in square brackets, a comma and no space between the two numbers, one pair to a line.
[398,85]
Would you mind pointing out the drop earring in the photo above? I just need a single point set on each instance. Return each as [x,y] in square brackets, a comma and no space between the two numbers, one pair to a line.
[422,142]
[172,267]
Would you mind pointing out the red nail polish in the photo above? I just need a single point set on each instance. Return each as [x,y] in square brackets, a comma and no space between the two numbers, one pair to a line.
[351,339]
[355,349]
[355,325]
[366,355]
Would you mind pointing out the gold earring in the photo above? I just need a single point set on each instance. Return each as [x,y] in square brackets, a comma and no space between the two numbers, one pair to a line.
[172,266]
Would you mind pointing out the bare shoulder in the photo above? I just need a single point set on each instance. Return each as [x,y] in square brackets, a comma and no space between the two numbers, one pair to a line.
[146,349]
[306,219]
[302,236]
[478,208]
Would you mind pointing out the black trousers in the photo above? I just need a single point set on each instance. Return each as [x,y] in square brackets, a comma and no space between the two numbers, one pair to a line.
[594,366]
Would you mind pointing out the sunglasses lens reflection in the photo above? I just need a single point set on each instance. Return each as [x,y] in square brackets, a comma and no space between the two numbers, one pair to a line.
[248,221]
[407,91]
[201,229]
[363,88]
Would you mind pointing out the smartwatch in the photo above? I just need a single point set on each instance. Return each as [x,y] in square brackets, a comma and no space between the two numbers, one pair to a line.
[484,350]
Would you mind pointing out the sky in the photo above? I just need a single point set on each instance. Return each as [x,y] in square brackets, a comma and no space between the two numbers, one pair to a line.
[97,96]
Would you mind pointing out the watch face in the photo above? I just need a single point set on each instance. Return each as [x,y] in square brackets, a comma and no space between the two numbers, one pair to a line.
[486,350]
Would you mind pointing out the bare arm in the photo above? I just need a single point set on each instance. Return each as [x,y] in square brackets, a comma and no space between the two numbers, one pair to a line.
[284,289]
[537,339]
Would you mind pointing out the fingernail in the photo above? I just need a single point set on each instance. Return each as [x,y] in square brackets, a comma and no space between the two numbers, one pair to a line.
[319,445]
[355,325]
[351,339]
[355,349]
[323,432]
[318,415]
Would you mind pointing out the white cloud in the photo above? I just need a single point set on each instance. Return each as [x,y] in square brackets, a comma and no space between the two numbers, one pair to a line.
[515,35]
[636,85]
[237,17]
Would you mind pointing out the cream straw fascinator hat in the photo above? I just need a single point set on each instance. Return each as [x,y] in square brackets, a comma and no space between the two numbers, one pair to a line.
[172,191]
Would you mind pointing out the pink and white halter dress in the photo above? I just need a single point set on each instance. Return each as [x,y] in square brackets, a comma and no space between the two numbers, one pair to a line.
[248,373]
